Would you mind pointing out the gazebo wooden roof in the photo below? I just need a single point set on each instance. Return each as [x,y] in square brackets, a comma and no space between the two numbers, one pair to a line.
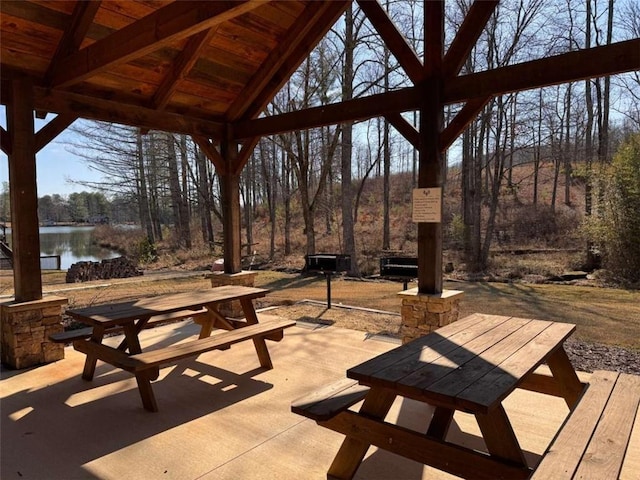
[208,69]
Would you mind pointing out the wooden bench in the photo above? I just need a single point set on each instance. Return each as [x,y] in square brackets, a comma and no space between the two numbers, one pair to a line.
[595,437]
[146,365]
[324,404]
[68,336]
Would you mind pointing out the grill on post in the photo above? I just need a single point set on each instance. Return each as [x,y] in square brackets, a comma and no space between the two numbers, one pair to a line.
[401,269]
[328,263]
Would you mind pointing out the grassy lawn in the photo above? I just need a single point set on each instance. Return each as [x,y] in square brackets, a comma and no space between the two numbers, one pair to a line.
[603,315]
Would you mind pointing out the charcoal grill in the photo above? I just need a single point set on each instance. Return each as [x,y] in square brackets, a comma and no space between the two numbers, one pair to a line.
[403,269]
[328,264]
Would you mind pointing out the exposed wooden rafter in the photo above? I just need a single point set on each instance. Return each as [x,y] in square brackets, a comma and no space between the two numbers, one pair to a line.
[464,117]
[83,14]
[605,60]
[174,22]
[124,113]
[245,153]
[211,152]
[52,129]
[569,67]
[393,39]
[467,36]
[320,25]
[351,110]
[408,131]
[288,49]
[181,67]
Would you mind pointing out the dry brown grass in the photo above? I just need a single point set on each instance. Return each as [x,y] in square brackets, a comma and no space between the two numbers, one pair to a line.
[603,315]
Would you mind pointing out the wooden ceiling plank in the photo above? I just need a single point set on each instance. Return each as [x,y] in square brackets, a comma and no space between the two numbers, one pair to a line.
[181,67]
[305,45]
[5,141]
[467,36]
[393,39]
[81,19]
[174,22]
[211,152]
[407,130]
[127,114]
[464,117]
[352,110]
[275,60]
[52,129]
[568,67]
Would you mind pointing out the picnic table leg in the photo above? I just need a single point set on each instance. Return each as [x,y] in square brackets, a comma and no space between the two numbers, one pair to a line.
[259,343]
[346,462]
[90,362]
[440,422]
[499,436]
[131,333]
[563,372]
[143,379]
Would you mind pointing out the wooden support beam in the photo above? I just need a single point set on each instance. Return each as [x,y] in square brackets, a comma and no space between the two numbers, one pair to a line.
[304,43]
[181,67]
[5,141]
[81,19]
[431,160]
[176,21]
[211,152]
[245,153]
[393,39]
[231,225]
[52,129]
[291,49]
[467,36]
[24,193]
[352,110]
[605,60]
[125,113]
[568,67]
[407,130]
[464,117]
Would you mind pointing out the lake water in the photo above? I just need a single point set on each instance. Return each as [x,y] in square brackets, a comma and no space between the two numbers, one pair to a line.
[73,244]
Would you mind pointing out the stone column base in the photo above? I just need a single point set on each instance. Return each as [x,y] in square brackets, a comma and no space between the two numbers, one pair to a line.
[423,313]
[25,330]
[245,278]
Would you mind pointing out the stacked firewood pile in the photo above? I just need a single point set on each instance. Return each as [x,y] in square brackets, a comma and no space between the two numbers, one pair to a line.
[119,267]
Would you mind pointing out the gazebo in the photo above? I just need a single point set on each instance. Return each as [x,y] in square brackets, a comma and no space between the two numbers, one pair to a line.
[208,69]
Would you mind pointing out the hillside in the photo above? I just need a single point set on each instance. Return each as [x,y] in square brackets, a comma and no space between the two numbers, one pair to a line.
[520,226]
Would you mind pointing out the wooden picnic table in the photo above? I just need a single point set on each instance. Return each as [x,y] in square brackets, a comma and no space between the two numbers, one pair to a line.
[471,365]
[132,317]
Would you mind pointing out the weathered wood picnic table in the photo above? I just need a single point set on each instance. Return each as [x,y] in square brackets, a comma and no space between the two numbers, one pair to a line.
[132,317]
[471,365]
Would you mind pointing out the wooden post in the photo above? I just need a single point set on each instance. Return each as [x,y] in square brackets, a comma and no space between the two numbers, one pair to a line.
[231,206]
[430,171]
[24,194]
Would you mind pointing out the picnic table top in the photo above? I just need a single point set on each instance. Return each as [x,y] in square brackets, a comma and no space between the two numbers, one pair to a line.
[122,312]
[470,365]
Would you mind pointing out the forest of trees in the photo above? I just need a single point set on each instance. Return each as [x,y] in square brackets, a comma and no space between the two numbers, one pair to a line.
[165,179]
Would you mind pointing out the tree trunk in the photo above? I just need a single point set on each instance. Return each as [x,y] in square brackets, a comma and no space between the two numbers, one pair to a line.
[145,215]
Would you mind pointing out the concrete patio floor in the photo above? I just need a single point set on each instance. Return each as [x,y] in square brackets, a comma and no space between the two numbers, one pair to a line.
[221,416]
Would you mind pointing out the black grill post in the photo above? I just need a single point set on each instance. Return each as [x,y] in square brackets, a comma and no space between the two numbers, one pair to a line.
[328,264]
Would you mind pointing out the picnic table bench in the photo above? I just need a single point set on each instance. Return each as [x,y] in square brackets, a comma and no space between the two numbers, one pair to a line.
[132,317]
[594,439]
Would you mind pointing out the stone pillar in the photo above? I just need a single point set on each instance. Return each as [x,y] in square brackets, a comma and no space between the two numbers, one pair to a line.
[25,330]
[245,278]
[423,313]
